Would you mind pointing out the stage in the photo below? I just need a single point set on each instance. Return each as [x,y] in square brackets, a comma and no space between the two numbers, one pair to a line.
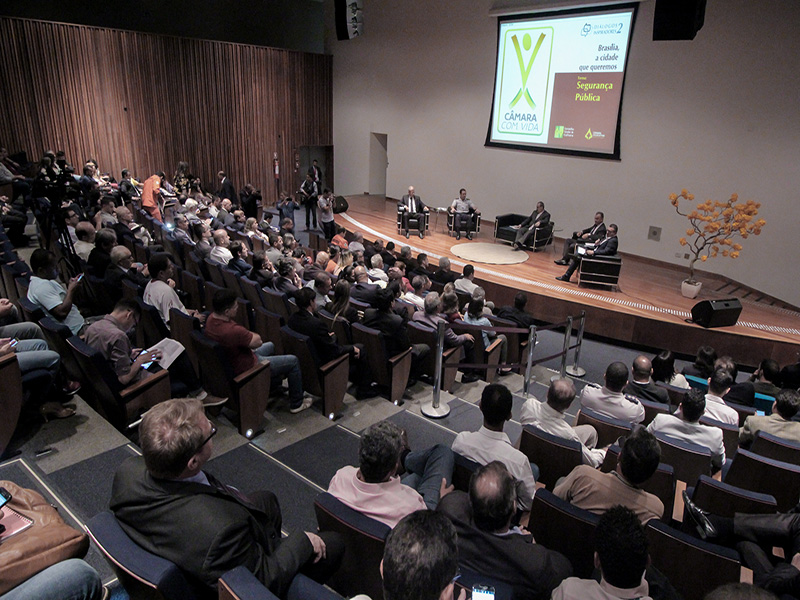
[647,309]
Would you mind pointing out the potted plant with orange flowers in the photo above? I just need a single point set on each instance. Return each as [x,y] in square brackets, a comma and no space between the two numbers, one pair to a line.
[714,227]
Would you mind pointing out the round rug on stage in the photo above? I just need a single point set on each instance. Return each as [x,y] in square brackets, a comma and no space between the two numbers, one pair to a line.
[492,254]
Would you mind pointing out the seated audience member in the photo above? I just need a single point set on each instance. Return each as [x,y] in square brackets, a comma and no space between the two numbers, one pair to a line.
[109,336]
[443,274]
[275,250]
[549,417]
[422,266]
[71,579]
[289,243]
[371,249]
[790,376]
[244,348]
[538,218]
[49,295]
[595,491]
[421,285]
[398,271]
[609,400]
[287,282]
[490,443]
[664,370]
[754,536]
[339,239]
[262,272]
[286,226]
[72,217]
[622,556]
[318,266]
[718,385]
[363,290]
[450,307]
[516,313]
[488,305]
[684,425]
[606,247]
[394,332]
[377,273]
[740,393]
[239,220]
[181,231]
[339,305]
[168,505]
[779,423]
[191,210]
[203,235]
[238,264]
[488,544]
[703,365]
[105,217]
[642,385]
[593,233]
[431,317]
[465,284]
[387,254]
[160,292]
[220,253]
[125,222]
[463,211]
[321,284]
[123,267]
[767,378]
[357,245]
[375,488]
[476,316]
[85,232]
[100,256]
[224,216]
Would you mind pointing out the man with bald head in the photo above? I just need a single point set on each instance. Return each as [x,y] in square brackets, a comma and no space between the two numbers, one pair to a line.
[488,543]
[642,385]
[363,290]
[85,232]
[220,253]
[609,400]
[412,207]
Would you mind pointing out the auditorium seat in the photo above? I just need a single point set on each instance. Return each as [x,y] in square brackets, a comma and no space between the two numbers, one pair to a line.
[451,224]
[766,475]
[555,456]
[772,446]
[241,584]
[608,430]
[268,325]
[725,500]
[484,355]
[689,460]
[504,231]
[420,334]
[600,270]
[730,434]
[389,372]
[463,469]
[11,399]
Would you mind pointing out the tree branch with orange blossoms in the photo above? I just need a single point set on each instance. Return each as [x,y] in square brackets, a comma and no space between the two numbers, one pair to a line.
[714,225]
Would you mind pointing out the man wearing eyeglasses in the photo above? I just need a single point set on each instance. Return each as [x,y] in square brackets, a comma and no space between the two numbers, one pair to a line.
[168,505]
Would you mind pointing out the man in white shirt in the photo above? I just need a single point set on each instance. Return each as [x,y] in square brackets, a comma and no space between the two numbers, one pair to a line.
[376,273]
[549,417]
[160,293]
[684,426]
[421,285]
[465,284]
[220,253]
[85,233]
[609,400]
[490,443]
[44,291]
[718,385]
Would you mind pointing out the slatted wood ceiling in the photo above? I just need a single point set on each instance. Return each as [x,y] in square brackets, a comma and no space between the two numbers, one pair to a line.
[144,102]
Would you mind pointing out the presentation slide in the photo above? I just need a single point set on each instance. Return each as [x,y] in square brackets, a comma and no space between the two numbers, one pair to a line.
[559,78]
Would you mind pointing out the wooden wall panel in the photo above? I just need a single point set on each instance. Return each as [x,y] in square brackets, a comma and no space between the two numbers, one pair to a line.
[145,102]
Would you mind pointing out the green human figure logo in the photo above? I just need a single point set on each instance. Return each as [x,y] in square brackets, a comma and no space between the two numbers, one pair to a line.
[525,71]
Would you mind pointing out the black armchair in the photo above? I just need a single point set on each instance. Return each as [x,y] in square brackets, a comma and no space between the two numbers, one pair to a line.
[504,231]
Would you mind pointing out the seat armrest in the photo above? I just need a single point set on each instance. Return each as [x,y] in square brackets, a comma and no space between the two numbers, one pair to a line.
[397,358]
[508,219]
[244,378]
[144,385]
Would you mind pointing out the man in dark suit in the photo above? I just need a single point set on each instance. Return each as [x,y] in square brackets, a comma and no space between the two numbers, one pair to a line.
[597,231]
[606,247]
[443,274]
[412,207]
[316,173]
[538,218]
[363,290]
[517,313]
[486,542]
[168,505]
[226,189]
[642,386]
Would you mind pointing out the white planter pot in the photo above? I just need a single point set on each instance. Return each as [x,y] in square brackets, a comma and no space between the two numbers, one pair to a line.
[690,290]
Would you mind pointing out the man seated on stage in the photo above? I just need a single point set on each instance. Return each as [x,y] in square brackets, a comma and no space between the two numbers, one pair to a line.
[595,491]
[643,385]
[538,218]
[685,426]
[167,504]
[490,443]
[391,481]
[549,417]
[591,234]
[489,544]
[606,247]
[412,207]
[780,423]
[610,400]
[464,214]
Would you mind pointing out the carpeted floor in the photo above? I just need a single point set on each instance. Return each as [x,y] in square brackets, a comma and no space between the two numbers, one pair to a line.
[490,254]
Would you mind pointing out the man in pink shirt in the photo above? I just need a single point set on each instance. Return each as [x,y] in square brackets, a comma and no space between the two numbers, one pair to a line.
[375,487]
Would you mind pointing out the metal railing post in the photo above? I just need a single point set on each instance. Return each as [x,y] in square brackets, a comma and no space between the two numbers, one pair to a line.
[567,336]
[575,370]
[434,409]
[529,367]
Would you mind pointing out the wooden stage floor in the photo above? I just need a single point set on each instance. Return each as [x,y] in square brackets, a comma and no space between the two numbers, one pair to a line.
[647,309]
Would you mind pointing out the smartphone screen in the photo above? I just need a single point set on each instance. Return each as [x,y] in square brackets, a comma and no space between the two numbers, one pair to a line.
[13,342]
[482,592]
[5,496]
[80,276]
[147,364]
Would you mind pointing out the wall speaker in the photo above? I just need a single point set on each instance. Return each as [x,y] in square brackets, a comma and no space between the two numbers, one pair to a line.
[349,19]
[678,19]
[717,313]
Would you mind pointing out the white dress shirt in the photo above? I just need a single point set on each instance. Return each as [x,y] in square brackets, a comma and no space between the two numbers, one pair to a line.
[694,433]
[615,405]
[717,409]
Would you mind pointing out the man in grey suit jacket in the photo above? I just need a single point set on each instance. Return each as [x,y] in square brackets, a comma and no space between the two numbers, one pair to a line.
[779,423]
[168,505]
[412,207]
[605,247]
[539,218]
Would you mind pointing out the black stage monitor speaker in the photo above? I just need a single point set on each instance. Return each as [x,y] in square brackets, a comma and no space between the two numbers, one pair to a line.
[678,19]
[717,313]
